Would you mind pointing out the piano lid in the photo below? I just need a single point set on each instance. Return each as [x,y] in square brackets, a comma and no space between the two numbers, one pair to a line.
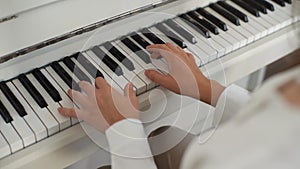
[9,8]
[39,20]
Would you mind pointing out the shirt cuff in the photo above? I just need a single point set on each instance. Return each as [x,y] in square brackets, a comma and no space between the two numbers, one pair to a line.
[230,102]
[127,138]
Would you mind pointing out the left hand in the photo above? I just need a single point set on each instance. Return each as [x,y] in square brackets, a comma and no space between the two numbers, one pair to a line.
[102,106]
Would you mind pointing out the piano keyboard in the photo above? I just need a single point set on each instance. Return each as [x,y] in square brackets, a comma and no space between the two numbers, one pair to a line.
[29,102]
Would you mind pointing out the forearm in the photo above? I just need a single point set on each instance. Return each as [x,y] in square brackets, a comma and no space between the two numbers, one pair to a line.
[129,145]
[230,101]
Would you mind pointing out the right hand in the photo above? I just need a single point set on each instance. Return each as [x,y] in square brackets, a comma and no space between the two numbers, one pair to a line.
[184,76]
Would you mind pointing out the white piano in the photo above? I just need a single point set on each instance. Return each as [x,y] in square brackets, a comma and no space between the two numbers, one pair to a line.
[47,46]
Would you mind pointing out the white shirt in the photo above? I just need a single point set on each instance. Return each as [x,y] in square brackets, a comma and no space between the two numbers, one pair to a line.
[265,134]
[122,135]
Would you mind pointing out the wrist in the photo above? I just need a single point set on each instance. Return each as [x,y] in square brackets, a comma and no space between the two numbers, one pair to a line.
[210,91]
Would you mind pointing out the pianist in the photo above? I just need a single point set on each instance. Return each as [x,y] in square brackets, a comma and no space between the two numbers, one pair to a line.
[265,141]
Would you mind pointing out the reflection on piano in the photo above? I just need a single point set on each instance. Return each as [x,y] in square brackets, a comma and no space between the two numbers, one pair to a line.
[29,101]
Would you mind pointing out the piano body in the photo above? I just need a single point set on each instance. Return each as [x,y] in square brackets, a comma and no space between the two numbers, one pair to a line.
[40,41]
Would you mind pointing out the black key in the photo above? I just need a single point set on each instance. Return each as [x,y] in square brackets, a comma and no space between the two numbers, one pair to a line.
[257,6]
[65,76]
[140,40]
[75,69]
[212,18]
[136,49]
[279,2]
[46,85]
[247,7]
[12,99]
[171,35]
[266,4]
[111,64]
[288,1]
[197,17]
[32,91]
[184,33]
[235,20]
[89,67]
[152,37]
[4,113]
[234,11]
[196,26]
[119,56]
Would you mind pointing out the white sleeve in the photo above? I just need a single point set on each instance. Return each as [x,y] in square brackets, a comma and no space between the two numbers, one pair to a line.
[129,145]
[230,102]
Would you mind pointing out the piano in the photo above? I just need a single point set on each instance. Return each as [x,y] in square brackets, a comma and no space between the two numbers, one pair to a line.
[50,45]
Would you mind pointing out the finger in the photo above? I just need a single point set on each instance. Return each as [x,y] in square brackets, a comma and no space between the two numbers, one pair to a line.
[173,47]
[129,91]
[70,112]
[88,88]
[79,98]
[158,46]
[100,83]
[155,55]
[160,50]
[156,77]
[191,57]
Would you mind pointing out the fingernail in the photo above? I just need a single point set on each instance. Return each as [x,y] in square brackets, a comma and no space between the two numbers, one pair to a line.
[131,85]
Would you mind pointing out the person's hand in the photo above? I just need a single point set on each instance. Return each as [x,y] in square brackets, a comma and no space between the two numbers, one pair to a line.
[291,92]
[102,106]
[184,76]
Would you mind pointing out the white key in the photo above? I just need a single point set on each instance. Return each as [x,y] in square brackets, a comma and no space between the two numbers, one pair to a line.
[282,17]
[277,25]
[283,22]
[201,54]
[208,41]
[12,137]
[223,42]
[257,26]
[74,77]
[238,32]
[43,113]
[139,70]
[120,80]
[105,75]
[57,78]
[212,53]
[160,63]
[31,118]
[129,75]
[4,147]
[198,53]
[66,101]
[139,64]
[18,123]
[92,79]
[229,37]
[62,84]
[245,29]
[64,122]
[259,20]
[76,80]
[288,9]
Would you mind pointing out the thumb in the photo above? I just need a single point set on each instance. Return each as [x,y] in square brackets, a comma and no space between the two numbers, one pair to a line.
[157,77]
[129,91]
